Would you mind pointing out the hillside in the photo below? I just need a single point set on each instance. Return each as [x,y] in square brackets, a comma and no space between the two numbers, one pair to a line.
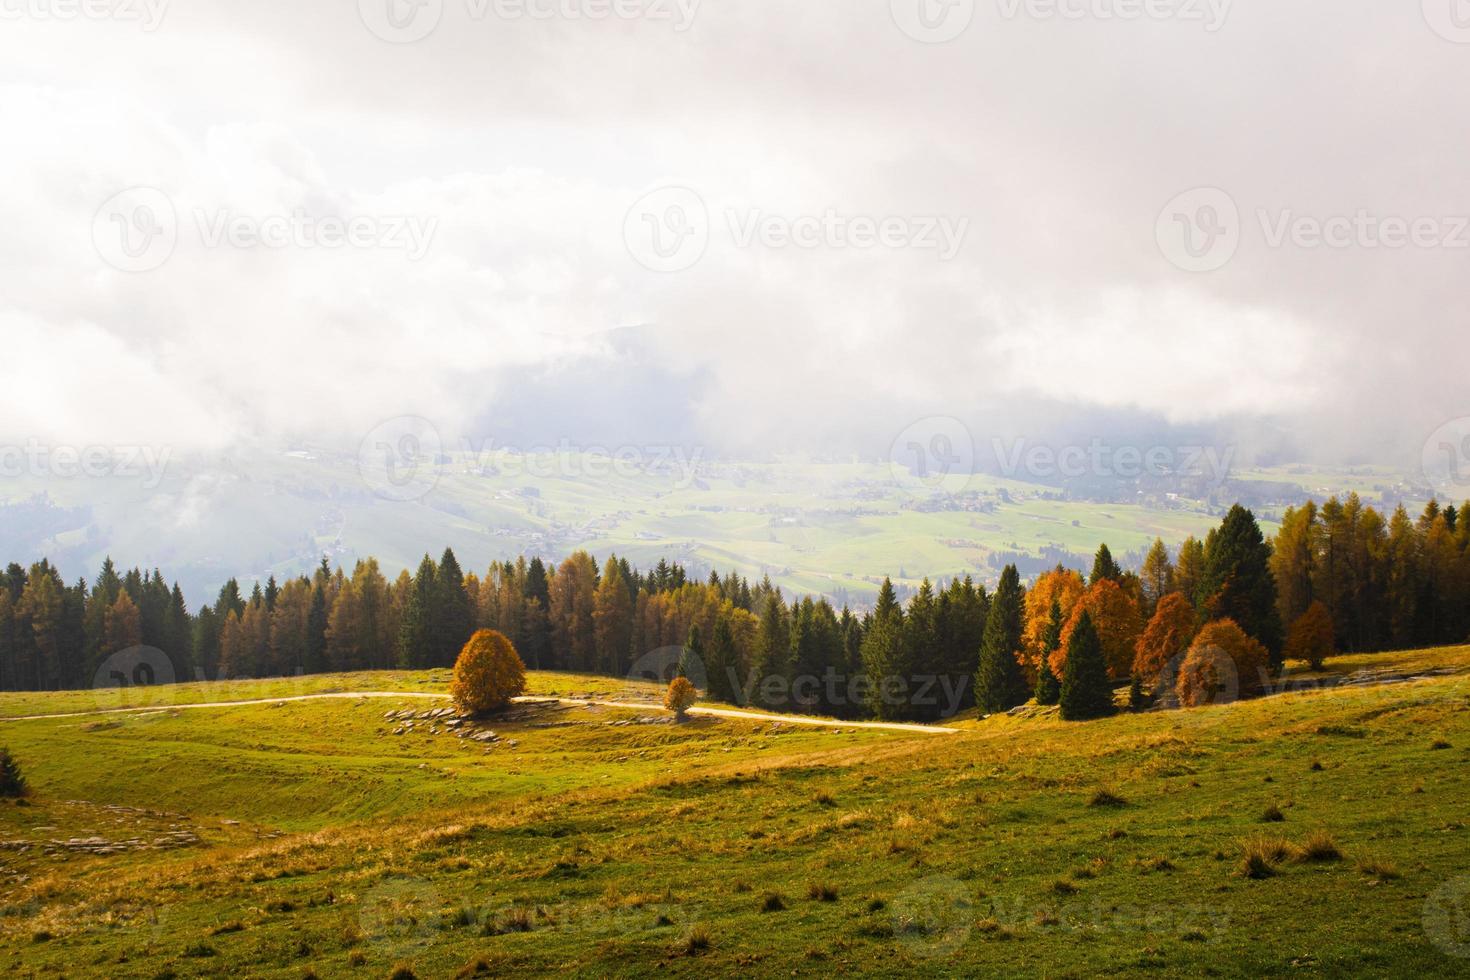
[599,840]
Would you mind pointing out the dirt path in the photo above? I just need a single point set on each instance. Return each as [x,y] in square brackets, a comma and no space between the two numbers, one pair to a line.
[574,702]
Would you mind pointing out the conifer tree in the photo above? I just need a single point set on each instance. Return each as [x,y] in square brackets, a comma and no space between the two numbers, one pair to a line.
[691,657]
[1086,693]
[1104,568]
[723,663]
[771,668]
[882,655]
[999,683]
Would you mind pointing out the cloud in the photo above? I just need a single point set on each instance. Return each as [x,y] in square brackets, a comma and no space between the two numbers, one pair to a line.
[525,142]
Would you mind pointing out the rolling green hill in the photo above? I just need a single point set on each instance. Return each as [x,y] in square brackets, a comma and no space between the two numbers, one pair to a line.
[270,840]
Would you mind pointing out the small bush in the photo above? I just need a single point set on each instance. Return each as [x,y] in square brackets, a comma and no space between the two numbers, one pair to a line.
[824,799]
[1105,797]
[474,968]
[228,927]
[742,886]
[821,892]
[1440,745]
[516,920]
[1316,766]
[1378,869]
[876,905]
[1064,887]
[201,951]
[12,782]
[1272,814]
[1260,856]
[1318,846]
[697,941]
[403,971]
[773,902]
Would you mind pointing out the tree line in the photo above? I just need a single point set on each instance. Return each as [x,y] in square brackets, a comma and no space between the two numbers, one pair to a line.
[1336,577]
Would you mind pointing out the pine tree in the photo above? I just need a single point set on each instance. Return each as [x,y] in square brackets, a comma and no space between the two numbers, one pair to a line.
[882,654]
[415,632]
[1104,568]
[723,665]
[772,666]
[691,657]
[315,661]
[12,782]
[1086,693]
[452,618]
[1239,583]
[999,682]
[1137,699]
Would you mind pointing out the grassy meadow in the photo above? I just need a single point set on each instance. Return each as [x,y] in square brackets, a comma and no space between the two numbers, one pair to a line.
[606,841]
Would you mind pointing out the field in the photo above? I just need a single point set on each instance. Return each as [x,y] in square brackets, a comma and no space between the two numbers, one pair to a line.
[280,838]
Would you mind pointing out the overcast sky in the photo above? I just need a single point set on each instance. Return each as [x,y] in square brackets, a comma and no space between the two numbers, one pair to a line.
[817,221]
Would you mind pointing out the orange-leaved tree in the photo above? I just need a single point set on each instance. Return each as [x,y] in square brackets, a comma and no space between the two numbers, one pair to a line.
[1116,618]
[1061,584]
[680,697]
[1223,663]
[1168,635]
[488,674]
[1312,637]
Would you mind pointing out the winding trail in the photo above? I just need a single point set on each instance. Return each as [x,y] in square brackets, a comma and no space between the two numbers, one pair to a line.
[572,702]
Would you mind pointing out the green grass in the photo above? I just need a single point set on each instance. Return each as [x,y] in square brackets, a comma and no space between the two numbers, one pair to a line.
[596,849]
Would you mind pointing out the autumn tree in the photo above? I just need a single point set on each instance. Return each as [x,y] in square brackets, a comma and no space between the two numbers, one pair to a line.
[612,618]
[1167,636]
[573,597]
[488,674]
[1114,616]
[1294,560]
[1060,587]
[1156,578]
[1311,637]
[124,625]
[1223,662]
[680,697]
